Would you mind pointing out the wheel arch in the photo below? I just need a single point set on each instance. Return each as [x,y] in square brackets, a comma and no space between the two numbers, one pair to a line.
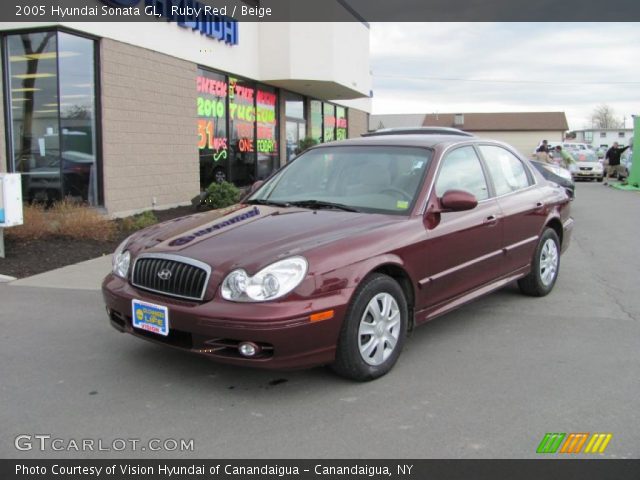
[555,224]
[400,275]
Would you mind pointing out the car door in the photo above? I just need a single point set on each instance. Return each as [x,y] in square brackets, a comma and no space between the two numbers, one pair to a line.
[463,250]
[522,204]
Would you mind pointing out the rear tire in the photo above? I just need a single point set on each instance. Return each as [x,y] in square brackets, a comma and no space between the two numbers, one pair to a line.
[374,329]
[544,267]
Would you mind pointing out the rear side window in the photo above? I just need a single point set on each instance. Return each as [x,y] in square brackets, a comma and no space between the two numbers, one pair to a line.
[507,171]
[461,170]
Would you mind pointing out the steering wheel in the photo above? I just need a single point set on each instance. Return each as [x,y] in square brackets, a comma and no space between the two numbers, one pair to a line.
[397,190]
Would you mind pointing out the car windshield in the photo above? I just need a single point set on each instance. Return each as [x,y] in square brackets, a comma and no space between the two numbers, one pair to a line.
[585,156]
[353,178]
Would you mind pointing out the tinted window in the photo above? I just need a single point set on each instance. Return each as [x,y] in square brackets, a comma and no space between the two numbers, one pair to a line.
[507,171]
[461,170]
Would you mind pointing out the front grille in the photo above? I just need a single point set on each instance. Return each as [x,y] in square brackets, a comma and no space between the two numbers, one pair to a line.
[171,275]
[585,169]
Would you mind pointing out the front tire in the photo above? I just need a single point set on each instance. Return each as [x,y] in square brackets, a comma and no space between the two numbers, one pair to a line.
[374,329]
[545,266]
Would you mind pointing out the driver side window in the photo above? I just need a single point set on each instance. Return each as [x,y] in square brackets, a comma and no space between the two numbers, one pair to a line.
[461,170]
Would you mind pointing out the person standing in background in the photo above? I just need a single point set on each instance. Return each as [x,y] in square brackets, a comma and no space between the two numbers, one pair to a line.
[612,160]
[542,152]
[566,159]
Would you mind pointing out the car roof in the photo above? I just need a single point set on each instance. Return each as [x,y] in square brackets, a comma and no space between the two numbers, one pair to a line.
[406,140]
[418,131]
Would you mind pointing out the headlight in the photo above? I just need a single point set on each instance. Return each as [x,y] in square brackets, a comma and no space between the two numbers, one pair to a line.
[270,283]
[598,167]
[121,260]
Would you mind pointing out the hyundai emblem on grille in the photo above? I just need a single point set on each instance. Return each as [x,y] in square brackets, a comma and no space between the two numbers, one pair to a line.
[164,274]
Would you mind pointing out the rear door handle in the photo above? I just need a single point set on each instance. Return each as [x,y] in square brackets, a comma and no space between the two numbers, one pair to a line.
[539,206]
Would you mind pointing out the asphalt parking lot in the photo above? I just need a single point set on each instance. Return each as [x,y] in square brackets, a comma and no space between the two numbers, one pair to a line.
[487,381]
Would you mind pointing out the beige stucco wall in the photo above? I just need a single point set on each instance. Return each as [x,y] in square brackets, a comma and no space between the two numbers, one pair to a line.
[525,142]
[358,122]
[148,129]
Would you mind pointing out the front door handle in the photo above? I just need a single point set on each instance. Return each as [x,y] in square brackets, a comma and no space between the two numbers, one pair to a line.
[491,220]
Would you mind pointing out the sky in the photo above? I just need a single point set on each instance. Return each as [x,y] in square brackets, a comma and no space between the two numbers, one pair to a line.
[506,67]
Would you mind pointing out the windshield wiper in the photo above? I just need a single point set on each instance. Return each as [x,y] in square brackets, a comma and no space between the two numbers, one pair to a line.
[260,201]
[322,204]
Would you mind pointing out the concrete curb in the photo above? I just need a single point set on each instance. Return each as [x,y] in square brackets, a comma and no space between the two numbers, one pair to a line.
[81,276]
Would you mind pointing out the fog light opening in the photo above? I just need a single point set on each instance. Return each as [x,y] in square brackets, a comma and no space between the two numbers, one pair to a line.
[248,349]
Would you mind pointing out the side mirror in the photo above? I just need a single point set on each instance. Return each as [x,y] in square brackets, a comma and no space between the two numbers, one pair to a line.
[457,201]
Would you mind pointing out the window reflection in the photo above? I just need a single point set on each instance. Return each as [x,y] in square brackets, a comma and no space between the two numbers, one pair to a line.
[316,120]
[295,125]
[34,113]
[77,118]
[52,90]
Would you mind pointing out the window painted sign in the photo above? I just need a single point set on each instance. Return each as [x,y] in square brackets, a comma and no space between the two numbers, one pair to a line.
[213,142]
[341,123]
[329,112]
[266,118]
[242,115]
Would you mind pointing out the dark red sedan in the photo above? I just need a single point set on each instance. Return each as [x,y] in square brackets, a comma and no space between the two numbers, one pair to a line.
[342,252]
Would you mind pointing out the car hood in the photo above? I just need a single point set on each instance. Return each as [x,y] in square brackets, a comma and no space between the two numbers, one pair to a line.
[251,236]
[589,164]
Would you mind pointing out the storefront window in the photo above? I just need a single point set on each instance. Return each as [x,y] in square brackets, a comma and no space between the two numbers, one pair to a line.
[316,120]
[341,123]
[266,127]
[212,127]
[53,115]
[296,126]
[78,117]
[329,112]
[242,121]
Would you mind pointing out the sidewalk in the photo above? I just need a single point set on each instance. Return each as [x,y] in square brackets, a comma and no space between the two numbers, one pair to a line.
[81,276]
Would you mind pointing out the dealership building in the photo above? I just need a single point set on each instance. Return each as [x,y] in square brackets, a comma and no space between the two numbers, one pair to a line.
[129,116]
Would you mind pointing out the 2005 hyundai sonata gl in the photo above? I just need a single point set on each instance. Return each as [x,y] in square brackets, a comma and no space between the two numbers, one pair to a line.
[337,256]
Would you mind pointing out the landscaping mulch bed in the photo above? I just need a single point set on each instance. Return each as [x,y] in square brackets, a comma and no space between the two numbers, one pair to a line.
[26,258]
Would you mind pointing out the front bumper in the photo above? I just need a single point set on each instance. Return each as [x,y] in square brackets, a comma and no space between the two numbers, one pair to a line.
[588,174]
[567,230]
[283,329]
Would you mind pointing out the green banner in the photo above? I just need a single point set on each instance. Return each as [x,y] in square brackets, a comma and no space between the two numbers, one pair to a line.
[633,180]
[634,174]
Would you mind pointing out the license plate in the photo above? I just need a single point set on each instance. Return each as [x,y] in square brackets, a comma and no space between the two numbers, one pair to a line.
[150,317]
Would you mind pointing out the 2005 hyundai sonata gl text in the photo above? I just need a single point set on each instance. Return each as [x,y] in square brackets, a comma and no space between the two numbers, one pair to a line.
[338,255]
